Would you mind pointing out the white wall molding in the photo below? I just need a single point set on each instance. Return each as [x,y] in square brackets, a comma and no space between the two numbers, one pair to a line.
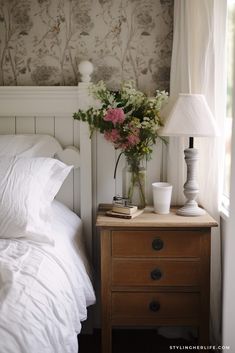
[38,101]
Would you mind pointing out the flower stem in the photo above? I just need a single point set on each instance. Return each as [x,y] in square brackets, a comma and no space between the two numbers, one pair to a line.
[116,165]
[137,181]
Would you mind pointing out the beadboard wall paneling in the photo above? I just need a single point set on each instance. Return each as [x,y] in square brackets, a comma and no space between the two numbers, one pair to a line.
[42,41]
[24,125]
[8,125]
[104,170]
[45,125]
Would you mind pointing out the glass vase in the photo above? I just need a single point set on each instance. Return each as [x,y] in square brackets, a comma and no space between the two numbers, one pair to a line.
[134,184]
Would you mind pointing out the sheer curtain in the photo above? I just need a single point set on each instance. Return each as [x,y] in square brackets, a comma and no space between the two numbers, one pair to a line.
[198,67]
[229,272]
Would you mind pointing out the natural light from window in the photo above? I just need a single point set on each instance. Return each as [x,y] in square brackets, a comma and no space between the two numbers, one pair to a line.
[229,110]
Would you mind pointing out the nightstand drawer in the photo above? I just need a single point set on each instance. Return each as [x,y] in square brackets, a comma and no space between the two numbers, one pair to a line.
[159,243]
[159,272]
[159,305]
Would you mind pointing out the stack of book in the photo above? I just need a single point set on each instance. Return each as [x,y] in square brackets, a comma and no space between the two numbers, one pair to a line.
[124,211]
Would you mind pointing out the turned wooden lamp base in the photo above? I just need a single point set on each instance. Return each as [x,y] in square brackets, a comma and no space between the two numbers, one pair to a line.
[191,189]
[190,210]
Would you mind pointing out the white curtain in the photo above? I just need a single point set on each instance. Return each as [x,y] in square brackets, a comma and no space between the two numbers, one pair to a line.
[229,271]
[198,66]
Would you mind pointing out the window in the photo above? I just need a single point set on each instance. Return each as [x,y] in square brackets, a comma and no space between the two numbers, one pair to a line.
[229,110]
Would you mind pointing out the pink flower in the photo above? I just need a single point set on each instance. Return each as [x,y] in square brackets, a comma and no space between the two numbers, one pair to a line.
[133,140]
[116,115]
[123,145]
[112,136]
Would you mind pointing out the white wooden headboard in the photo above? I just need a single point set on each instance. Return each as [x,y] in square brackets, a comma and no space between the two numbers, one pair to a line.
[49,110]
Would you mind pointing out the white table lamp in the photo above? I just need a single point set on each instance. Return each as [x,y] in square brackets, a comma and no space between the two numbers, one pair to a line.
[190,116]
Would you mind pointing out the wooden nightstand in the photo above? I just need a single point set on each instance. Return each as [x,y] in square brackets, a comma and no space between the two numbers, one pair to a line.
[155,271]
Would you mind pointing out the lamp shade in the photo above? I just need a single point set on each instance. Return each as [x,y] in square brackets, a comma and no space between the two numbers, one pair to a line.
[190,115]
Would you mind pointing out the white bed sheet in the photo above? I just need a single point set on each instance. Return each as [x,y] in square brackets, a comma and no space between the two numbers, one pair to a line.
[44,290]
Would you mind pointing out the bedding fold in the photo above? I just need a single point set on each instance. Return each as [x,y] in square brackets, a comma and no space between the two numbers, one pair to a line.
[44,289]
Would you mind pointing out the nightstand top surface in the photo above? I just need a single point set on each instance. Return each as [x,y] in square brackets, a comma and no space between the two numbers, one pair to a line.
[154,220]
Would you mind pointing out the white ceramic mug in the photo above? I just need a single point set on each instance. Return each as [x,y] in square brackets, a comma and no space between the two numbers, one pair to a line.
[162,197]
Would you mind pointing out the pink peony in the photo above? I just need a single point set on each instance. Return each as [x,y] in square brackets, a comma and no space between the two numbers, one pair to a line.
[116,115]
[112,136]
[123,145]
[133,140]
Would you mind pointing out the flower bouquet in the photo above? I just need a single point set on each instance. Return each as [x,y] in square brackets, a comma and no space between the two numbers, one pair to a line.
[130,121]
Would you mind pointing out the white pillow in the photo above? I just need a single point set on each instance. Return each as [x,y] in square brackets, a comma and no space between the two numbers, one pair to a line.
[29,145]
[27,188]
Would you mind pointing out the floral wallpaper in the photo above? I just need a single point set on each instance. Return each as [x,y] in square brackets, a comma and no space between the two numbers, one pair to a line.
[43,41]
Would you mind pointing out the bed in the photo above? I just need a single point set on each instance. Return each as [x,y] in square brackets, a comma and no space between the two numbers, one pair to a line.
[45,276]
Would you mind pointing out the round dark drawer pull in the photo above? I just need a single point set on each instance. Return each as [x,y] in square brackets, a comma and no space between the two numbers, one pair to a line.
[154,306]
[157,244]
[156,274]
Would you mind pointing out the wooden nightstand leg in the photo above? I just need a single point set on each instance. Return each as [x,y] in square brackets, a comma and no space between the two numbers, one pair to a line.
[204,327]
[106,338]
[106,292]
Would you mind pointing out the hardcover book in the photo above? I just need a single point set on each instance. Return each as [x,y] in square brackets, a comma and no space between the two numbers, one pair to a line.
[129,209]
[123,215]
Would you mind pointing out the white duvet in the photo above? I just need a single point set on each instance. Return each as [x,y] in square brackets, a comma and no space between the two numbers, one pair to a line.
[44,290]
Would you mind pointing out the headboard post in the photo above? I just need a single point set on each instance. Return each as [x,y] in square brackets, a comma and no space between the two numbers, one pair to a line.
[84,102]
